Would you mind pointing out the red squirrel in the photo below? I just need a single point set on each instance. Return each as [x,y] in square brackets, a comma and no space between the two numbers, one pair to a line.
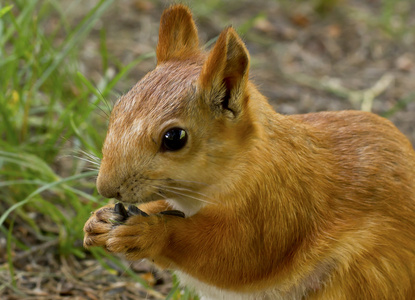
[245,203]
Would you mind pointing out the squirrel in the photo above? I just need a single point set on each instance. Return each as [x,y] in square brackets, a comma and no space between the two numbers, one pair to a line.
[242,202]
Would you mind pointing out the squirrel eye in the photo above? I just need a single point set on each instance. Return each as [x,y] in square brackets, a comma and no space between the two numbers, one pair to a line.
[174,139]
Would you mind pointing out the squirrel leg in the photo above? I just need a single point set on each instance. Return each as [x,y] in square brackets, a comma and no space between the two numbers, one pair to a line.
[202,245]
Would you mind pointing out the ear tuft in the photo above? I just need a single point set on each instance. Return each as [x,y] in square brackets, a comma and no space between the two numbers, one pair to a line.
[226,71]
[177,34]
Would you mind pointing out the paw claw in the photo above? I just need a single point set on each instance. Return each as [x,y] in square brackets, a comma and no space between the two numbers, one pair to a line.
[120,210]
[175,213]
[134,210]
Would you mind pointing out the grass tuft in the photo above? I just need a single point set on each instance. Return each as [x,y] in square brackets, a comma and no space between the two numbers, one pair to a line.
[45,118]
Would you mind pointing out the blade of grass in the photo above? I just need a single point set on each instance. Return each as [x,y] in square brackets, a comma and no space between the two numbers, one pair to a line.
[125,70]
[9,253]
[401,104]
[17,243]
[5,10]
[22,181]
[103,49]
[24,15]
[73,40]
[41,189]
[79,135]
[99,254]
[30,161]
[91,88]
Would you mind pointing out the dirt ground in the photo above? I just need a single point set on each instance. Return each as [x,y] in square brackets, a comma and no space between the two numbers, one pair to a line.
[302,60]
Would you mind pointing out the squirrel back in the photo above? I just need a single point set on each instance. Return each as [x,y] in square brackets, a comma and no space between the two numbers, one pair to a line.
[320,205]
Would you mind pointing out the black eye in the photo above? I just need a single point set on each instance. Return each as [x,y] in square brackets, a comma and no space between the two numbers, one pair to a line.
[174,139]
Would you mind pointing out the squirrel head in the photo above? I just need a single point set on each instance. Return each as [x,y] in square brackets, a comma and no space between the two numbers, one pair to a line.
[177,132]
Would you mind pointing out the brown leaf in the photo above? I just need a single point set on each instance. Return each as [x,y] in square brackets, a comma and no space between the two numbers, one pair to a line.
[264,26]
[404,62]
[149,278]
[334,31]
[143,5]
[300,20]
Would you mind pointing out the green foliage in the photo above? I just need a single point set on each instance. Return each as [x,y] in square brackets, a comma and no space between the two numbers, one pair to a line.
[177,293]
[394,17]
[43,110]
[46,120]
[51,116]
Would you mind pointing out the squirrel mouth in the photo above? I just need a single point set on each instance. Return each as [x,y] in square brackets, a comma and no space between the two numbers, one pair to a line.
[138,200]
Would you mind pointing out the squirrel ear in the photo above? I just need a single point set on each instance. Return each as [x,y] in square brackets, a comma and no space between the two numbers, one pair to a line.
[177,34]
[225,72]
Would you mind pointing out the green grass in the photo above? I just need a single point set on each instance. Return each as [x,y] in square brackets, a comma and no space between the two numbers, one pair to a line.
[50,113]
[44,110]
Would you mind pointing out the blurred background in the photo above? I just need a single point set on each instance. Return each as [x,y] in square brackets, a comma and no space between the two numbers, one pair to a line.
[64,63]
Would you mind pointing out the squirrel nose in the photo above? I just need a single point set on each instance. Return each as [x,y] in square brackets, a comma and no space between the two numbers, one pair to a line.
[107,187]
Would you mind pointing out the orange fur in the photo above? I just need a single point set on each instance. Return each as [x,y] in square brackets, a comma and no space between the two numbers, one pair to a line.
[320,205]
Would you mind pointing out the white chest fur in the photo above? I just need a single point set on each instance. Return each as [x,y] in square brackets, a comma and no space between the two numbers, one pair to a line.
[209,292]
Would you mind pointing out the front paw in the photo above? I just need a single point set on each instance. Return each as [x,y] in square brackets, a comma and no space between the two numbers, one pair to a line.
[139,236]
[99,225]
[131,232]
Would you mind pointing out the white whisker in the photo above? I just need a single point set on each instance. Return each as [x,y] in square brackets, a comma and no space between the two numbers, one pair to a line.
[91,156]
[188,181]
[87,160]
[183,194]
[161,195]
[92,169]
[187,190]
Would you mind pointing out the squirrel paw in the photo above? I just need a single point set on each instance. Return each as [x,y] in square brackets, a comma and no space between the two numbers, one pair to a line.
[131,232]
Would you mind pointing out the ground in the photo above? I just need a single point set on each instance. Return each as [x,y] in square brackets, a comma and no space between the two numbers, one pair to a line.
[306,56]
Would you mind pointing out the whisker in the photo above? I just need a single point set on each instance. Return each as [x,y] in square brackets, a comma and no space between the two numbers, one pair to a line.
[92,169]
[102,113]
[189,181]
[91,156]
[84,156]
[187,190]
[78,157]
[177,180]
[108,106]
[183,194]
[87,160]
[161,195]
